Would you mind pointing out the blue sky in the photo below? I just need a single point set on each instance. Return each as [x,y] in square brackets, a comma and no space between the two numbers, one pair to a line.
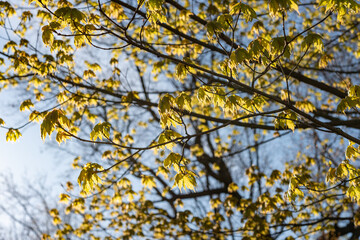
[29,157]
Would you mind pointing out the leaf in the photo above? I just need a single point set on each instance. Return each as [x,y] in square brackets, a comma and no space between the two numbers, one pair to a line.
[278,44]
[248,13]
[354,91]
[79,41]
[189,182]
[180,71]
[165,104]
[69,14]
[163,171]
[312,39]
[62,137]
[274,7]
[294,5]
[26,105]
[77,15]
[64,198]
[351,192]
[201,94]
[348,103]
[325,60]
[154,5]
[293,191]
[258,26]
[341,171]
[342,106]
[352,152]
[148,181]
[124,182]
[331,175]
[100,130]
[305,106]
[172,158]
[286,119]
[212,28]
[47,35]
[131,96]
[13,134]
[239,55]
[235,8]
[50,122]
[225,21]
[167,162]
[88,177]
[54,212]
[185,181]
[233,187]
[183,101]
[55,25]
[277,7]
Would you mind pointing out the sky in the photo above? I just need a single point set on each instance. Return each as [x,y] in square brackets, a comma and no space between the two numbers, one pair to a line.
[29,159]
[28,156]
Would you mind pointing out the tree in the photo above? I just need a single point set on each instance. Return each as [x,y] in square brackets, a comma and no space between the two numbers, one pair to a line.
[197,119]
[25,209]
